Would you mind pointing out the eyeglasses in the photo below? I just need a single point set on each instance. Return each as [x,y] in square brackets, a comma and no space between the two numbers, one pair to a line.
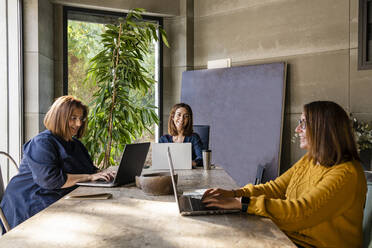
[75,118]
[302,124]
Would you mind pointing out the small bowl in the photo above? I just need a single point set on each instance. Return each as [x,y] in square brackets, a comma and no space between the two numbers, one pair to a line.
[159,183]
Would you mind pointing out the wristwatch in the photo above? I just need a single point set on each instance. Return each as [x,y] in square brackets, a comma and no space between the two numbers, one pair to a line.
[245,202]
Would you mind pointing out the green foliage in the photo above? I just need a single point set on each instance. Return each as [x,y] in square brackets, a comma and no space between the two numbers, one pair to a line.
[363,134]
[121,112]
[84,41]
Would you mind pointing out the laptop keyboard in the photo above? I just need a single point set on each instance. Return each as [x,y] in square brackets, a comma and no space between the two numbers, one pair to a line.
[103,181]
[196,204]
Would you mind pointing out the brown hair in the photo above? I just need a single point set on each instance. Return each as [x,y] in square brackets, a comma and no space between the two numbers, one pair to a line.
[328,131]
[57,118]
[172,130]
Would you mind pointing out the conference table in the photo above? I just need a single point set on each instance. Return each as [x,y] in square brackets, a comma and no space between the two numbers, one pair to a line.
[133,219]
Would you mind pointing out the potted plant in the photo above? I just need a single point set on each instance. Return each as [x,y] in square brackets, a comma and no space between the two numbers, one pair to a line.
[363,135]
[117,117]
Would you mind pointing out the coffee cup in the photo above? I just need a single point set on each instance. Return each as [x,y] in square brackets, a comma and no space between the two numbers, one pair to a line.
[207,156]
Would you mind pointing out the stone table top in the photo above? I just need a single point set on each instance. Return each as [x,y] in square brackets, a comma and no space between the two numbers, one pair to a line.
[132,219]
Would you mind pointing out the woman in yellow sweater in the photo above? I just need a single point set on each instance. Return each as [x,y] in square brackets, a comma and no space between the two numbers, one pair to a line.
[319,201]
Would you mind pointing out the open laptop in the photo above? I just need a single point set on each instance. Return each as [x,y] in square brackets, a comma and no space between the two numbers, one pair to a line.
[192,204]
[182,156]
[131,165]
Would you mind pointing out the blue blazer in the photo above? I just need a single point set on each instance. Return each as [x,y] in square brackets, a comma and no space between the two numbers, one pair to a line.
[46,161]
[196,145]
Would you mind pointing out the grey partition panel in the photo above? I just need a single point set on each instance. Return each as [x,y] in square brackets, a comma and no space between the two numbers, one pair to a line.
[244,107]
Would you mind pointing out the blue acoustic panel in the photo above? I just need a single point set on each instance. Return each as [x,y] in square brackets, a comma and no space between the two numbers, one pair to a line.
[244,107]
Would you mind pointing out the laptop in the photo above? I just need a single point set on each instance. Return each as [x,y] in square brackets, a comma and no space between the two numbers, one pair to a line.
[131,165]
[182,156]
[192,204]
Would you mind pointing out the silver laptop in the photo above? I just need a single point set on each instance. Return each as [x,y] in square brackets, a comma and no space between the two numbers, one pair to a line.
[131,165]
[192,204]
[182,156]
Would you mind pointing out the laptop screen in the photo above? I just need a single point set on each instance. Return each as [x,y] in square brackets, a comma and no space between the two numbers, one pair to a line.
[171,169]
[181,159]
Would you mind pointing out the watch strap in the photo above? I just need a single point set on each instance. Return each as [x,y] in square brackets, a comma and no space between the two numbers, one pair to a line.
[245,202]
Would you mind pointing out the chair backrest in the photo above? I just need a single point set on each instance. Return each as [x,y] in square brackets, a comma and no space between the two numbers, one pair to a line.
[203,131]
[2,189]
[1,179]
[259,174]
[367,217]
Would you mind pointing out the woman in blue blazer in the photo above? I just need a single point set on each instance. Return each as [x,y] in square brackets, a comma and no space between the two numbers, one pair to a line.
[180,130]
[53,162]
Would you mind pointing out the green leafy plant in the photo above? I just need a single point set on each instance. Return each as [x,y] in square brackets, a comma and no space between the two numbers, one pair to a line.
[117,118]
[84,42]
[363,134]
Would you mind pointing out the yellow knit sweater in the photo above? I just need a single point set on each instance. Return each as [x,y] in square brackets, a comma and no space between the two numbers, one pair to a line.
[313,204]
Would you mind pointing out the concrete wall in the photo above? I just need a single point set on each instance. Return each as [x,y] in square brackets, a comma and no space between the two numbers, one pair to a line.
[38,64]
[179,57]
[317,38]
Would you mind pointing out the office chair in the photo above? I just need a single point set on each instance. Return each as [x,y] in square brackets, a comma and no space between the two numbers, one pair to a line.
[367,215]
[2,216]
[203,131]
[259,174]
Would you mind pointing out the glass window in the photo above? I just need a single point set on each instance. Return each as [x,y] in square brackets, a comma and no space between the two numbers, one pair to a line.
[11,96]
[365,35]
[84,28]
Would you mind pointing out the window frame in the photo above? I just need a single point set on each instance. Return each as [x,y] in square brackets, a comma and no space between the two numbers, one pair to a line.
[11,84]
[66,9]
[363,63]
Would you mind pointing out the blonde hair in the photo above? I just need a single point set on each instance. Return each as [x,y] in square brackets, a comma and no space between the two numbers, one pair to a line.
[57,118]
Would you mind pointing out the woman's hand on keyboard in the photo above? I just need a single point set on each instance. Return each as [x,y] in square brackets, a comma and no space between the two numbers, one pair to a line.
[222,202]
[104,175]
[218,192]
[221,198]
